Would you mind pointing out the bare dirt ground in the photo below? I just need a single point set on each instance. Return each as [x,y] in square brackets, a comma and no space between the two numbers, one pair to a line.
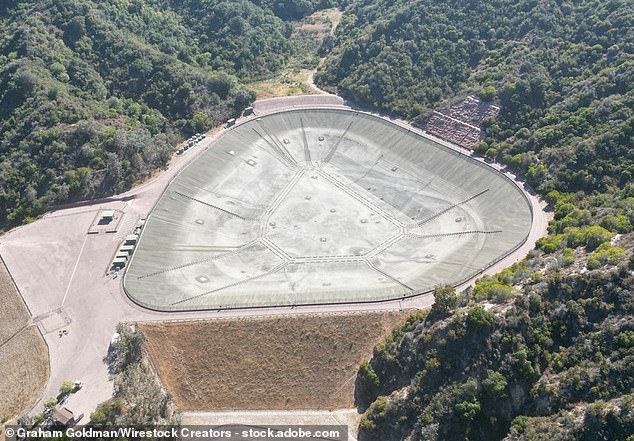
[288,83]
[23,372]
[279,363]
[23,354]
[321,23]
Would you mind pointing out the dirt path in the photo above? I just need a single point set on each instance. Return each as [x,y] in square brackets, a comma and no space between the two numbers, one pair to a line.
[294,81]
[310,82]
[335,17]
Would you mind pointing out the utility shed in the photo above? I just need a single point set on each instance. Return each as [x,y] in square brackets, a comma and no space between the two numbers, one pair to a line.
[63,416]
[107,215]
[119,262]
[131,239]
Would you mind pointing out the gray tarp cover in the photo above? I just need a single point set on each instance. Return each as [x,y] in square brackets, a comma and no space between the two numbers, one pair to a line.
[322,206]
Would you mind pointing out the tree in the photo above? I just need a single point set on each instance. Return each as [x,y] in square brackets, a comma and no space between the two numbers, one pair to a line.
[38,418]
[66,387]
[606,254]
[596,236]
[75,30]
[445,299]
[480,319]
[494,384]
[201,122]
[591,236]
[550,244]
[519,425]
[467,410]
[107,412]
[130,346]
[618,223]
[368,384]
[489,93]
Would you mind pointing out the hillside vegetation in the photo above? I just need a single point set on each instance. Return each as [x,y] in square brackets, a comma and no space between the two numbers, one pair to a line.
[94,95]
[562,71]
[483,373]
[555,359]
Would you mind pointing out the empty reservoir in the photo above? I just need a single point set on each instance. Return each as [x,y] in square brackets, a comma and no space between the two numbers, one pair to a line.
[322,206]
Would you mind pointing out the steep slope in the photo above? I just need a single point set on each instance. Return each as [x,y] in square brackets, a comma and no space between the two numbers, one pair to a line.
[562,72]
[481,373]
[94,95]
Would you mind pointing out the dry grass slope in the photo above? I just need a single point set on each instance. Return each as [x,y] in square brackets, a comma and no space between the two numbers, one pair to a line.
[288,83]
[23,372]
[280,363]
[23,352]
[14,314]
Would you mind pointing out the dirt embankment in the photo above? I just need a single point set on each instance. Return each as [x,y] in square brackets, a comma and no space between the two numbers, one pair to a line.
[280,363]
[24,366]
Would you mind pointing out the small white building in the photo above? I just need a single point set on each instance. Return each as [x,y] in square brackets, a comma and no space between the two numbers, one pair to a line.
[107,215]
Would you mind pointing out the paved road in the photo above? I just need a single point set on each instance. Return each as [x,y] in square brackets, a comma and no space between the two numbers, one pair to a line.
[61,273]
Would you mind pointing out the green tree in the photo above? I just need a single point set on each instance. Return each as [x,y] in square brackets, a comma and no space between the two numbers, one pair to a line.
[494,384]
[130,346]
[479,318]
[618,223]
[467,410]
[550,244]
[488,93]
[519,425]
[66,387]
[445,299]
[606,254]
[107,412]
[200,122]
[368,383]
[595,236]
[38,418]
